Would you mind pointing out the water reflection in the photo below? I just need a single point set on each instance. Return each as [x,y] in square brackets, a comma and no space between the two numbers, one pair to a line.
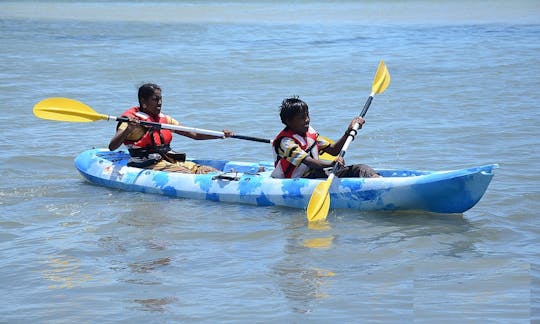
[112,244]
[302,285]
[149,265]
[319,242]
[301,281]
[361,245]
[65,272]
[154,304]
[440,234]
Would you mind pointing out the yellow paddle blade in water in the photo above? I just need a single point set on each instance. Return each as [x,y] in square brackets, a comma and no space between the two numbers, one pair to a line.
[65,109]
[319,203]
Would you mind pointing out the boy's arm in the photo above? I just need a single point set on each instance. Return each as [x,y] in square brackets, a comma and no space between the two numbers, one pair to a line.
[295,155]
[334,148]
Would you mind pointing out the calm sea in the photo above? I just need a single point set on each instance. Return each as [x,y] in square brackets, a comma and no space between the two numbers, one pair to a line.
[464,92]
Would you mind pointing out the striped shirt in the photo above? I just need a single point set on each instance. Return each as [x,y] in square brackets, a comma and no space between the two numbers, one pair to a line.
[289,150]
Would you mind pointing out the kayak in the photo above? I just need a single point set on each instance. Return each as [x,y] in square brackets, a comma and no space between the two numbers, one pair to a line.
[449,191]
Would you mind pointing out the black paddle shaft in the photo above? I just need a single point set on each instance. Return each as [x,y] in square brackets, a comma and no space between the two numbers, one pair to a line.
[354,131]
[157,126]
[366,106]
[249,138]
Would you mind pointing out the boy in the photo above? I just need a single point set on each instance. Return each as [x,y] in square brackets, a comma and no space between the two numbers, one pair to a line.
[297,147]
[150,148]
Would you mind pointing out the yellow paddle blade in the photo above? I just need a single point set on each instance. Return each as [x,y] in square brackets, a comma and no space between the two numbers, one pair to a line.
[319,203]
[326,156]
[386,81]
[65,109]
[381,79]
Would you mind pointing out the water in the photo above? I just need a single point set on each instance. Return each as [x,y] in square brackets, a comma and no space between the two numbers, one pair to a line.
[464,92]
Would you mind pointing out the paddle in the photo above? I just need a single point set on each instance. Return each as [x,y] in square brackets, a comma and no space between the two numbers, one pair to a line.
[319,203]
[69,110]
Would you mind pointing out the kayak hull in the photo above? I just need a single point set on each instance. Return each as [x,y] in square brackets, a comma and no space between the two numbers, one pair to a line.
[454,191]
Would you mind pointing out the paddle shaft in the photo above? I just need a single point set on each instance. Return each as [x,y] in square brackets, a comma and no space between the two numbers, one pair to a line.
[189,129]
[352,133]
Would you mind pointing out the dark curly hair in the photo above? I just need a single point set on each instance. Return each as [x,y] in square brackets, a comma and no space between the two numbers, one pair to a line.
[291,107]
[147,90]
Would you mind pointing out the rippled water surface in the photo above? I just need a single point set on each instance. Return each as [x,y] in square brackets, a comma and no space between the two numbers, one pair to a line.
[464,92]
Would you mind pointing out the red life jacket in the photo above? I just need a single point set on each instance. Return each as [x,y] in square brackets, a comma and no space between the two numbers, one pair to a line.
[308,143]
[154,140]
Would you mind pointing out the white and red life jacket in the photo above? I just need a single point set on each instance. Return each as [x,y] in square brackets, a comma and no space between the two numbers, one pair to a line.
[154,140]
[308,143]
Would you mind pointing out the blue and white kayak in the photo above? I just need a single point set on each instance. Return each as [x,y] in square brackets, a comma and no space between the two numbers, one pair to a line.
[453,191]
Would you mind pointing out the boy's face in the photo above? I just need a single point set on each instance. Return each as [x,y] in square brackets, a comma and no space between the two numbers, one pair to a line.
[299,123]
[152,105]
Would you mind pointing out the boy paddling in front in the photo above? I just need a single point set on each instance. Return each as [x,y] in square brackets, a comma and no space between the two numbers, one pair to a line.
[297,147]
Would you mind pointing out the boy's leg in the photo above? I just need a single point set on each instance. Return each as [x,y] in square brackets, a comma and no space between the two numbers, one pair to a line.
[357,171]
